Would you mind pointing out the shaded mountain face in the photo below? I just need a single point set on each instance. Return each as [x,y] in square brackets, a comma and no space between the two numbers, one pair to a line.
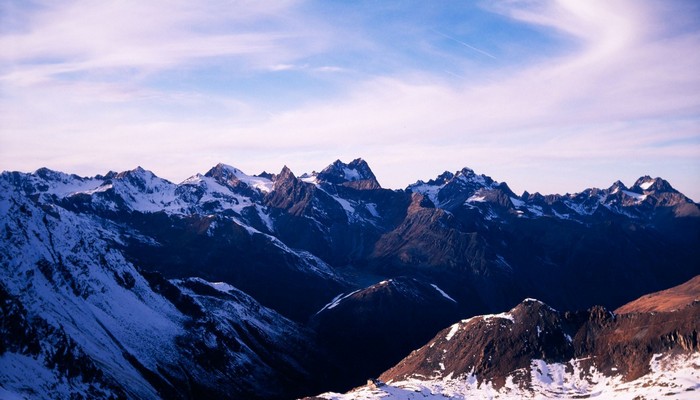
[293,244]
[372,328]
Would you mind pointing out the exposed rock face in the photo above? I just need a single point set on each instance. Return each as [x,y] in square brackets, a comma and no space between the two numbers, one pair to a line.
[290,194]
[492,346]
[356,175]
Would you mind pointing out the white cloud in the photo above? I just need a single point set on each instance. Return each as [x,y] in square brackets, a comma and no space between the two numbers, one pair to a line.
[87,36]
[622,100]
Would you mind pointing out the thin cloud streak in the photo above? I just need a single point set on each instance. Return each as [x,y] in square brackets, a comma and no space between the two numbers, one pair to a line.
[465,44]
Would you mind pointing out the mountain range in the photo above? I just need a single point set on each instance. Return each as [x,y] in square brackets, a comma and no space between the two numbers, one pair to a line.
[229,285]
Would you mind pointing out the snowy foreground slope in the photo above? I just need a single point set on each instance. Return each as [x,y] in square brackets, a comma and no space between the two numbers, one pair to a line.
[671,377]
[80,321]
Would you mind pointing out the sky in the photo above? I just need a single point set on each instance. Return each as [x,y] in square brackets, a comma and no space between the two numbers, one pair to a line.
[550,96]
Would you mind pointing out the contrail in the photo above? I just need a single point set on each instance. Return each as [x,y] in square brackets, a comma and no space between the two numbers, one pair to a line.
[465,44]
[453,74]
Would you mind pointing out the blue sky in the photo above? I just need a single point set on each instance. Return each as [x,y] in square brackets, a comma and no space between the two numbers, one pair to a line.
[549,96]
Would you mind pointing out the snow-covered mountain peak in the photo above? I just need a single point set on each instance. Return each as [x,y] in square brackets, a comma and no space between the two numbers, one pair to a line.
[139,180]
[137,172]
[450,190]
[228,175]
[49,174]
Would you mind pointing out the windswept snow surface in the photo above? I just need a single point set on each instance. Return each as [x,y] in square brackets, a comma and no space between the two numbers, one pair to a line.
[671,377]
[262,184]
[68,274]
[73,283]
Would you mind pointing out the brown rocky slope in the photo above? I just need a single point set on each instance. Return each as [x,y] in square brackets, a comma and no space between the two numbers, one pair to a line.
[494,347]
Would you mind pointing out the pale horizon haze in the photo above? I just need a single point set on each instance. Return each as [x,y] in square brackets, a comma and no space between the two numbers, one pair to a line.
[548,96]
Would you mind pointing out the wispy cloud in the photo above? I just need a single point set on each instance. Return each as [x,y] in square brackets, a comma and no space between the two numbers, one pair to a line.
[85,36]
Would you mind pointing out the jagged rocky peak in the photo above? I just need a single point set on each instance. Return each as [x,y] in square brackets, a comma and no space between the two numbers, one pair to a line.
[441,180]
[451,190]
[649,184]
[357,174]
[469,176]
[266,175]
[137,172]
[285,175]
[616,187]
[464,176]
[290,193]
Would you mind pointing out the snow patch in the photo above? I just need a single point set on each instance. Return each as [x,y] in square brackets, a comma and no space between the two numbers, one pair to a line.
[442,292]
[646,185]
[476,199]
[453,329]
[336,300]
[636,196]
[351,174]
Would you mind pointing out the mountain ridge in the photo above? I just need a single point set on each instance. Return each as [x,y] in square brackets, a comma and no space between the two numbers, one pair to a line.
[291,246]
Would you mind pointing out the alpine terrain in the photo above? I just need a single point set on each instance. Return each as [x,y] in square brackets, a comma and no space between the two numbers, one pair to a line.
[534,351]
[277,286]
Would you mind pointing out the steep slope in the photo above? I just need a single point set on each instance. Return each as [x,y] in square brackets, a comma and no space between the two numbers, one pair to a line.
[500,345]
[212,225]
[80,321]
[337,214]
[667,300]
